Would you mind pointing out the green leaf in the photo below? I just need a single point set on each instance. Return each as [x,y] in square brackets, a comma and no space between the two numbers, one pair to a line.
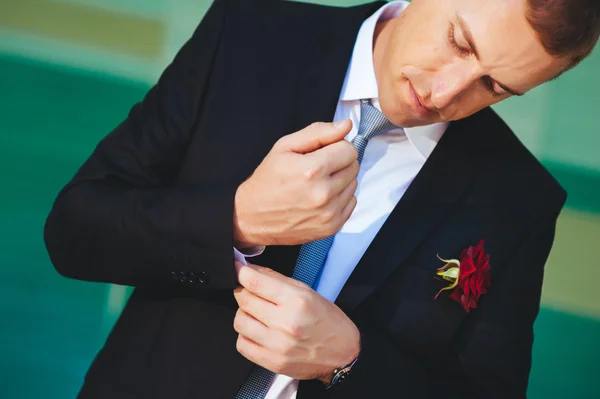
[452,274]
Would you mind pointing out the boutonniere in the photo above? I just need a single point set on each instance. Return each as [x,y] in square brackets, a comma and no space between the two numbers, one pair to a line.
[469,275]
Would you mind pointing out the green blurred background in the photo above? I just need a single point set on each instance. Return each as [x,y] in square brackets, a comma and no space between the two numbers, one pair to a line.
[69,72]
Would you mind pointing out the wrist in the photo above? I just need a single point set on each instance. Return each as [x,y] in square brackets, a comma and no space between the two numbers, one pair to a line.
[356,345]
[326,379]
[242,234]
[343,369]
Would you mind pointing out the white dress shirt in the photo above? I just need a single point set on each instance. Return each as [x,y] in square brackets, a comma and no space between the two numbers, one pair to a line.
[390,163]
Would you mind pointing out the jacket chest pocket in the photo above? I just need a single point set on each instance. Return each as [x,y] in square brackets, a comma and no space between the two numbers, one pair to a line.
[428,328]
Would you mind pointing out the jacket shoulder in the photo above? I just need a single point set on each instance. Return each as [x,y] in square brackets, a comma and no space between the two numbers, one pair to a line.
[516,172]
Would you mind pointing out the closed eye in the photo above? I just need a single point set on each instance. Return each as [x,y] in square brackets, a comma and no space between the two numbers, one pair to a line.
[493,86]
[489,84]
[464,52]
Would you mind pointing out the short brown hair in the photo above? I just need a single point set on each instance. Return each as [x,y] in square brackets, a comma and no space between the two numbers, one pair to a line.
[566,28]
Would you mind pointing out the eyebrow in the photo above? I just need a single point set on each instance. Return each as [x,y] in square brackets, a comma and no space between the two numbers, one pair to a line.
[469,38]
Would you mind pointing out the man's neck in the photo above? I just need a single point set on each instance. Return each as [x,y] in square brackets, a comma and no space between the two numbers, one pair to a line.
[380,39]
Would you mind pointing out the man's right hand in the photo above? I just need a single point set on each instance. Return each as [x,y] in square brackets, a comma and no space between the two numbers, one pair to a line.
[302,191]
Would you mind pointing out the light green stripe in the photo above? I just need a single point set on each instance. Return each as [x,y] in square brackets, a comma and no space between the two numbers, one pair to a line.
[572,272]
[125,33]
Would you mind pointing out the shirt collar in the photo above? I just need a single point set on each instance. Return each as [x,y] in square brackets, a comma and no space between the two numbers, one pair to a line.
[360,81]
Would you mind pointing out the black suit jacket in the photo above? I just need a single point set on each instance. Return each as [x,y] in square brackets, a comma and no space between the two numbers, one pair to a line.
[152,208]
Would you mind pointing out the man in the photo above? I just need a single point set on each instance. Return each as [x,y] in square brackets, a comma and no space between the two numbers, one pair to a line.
[224,153]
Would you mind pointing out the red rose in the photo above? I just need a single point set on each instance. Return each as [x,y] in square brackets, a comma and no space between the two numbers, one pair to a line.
[473,276]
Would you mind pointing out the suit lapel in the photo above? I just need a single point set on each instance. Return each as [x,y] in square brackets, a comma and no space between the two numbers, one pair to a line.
[445,177]
[323,76]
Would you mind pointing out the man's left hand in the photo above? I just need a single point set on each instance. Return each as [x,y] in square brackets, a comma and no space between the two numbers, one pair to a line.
[287,328]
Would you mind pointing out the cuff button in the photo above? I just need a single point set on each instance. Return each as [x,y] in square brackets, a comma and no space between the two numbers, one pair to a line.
[203,277]
[192,278]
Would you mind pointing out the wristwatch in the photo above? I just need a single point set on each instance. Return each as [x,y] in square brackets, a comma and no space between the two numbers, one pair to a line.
[340,374]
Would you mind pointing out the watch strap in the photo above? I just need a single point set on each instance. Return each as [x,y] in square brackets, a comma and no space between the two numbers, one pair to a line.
[340,374]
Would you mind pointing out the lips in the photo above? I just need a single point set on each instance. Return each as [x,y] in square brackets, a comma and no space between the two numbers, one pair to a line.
[419,100]
[430,109]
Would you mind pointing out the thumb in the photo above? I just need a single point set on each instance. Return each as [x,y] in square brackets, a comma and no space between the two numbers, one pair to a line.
[317,135]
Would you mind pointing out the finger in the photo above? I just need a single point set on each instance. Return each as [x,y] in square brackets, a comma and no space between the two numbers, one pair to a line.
[264,285]
[258,354]
[257,307]
[349,208]
[265,270]
[345,196]
[341,207]
[238,266]
[251,328]
[315,136]
[288,281]
[251,350]
[334,157]
[342,179]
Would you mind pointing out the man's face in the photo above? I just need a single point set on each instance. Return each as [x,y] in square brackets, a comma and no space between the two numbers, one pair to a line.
[443,60]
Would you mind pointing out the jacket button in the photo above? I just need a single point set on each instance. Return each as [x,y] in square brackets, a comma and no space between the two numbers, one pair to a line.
[192,278]
[179,276]
[202,277]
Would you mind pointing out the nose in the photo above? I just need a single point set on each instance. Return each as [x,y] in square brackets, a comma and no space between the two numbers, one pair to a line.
[451,81]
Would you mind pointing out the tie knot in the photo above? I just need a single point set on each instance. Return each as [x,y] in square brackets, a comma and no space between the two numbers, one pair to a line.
[372,121]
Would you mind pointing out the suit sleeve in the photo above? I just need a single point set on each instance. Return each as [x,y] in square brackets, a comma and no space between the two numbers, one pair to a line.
[491,357]
[121,219]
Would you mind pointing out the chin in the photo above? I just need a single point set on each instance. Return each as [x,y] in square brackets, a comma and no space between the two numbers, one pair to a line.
[398,107]
[399,117]
[392,108]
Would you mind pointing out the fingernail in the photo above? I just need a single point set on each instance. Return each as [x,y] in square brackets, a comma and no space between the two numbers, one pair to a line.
[339,124]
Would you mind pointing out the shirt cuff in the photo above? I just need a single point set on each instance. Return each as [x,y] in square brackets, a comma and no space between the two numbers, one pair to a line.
[248,253]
